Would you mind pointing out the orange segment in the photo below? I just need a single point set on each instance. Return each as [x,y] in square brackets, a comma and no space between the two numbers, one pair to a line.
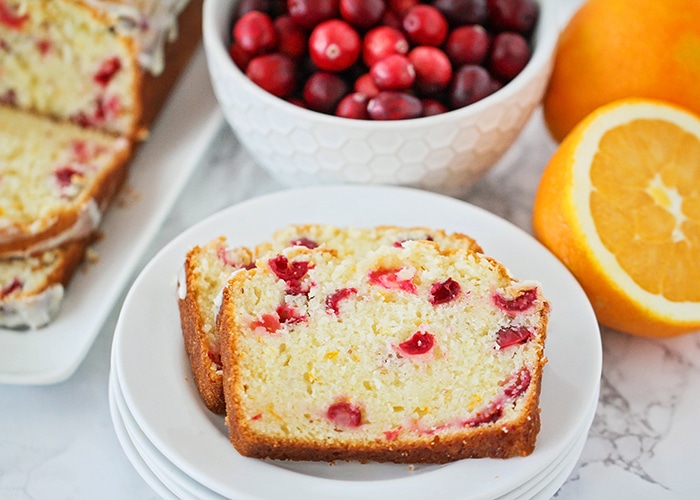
[619,204]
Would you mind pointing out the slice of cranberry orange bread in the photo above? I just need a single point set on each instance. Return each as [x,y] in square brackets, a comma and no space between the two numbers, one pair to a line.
[32,288]
[86,61]
[55,181]
[408,354]
[207,268]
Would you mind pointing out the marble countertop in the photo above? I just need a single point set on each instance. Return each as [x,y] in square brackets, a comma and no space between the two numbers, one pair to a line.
[58,442]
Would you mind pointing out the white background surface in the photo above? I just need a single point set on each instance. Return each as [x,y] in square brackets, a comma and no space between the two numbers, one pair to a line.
[58,442]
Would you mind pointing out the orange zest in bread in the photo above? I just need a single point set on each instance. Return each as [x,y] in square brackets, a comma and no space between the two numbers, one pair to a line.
[55,181]
[207,268]
[405,353]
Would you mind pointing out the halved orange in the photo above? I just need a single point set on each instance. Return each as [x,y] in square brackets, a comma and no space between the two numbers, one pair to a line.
[619,205]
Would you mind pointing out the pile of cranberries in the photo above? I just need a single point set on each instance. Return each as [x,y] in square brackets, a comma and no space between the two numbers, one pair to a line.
[382,59]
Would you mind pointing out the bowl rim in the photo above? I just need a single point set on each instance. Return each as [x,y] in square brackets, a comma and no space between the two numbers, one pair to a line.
[545,36]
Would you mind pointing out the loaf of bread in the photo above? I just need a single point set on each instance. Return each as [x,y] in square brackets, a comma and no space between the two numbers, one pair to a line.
[406,353]
[32,288]
[208,267]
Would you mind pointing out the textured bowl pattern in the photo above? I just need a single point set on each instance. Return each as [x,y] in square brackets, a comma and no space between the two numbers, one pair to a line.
[445,153]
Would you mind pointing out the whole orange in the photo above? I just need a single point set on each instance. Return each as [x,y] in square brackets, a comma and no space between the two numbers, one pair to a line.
[612,49]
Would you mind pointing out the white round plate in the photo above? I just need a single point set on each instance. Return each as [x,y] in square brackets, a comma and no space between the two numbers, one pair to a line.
[132,454]
[175,480]
[157,385]
[556,473]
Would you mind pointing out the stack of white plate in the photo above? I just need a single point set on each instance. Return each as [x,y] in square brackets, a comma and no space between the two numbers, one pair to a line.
[182,450]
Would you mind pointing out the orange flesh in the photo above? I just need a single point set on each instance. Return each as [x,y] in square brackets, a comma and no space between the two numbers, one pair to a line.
[645,204]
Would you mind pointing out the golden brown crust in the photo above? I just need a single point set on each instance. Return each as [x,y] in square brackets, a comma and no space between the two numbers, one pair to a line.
[207,379]
[226,326]
[74,253]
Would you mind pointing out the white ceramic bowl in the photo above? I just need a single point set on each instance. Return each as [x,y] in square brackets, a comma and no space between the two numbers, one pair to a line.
[445,153]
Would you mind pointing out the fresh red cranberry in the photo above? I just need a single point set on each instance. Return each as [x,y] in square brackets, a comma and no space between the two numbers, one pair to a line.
[289,315]
[296,101]
[517,383]
[401,7]
[362,14]
[521,303]
[496,85]
[391,19]
[245,6]
[323,91]
[309,13]
[255,33]
[512,335]
[394,105]
[509,55]
[382,41]
[344,414]
[269,322]
[334,45]
[460,12]
[445,291]
[364,84]
[470,84]
[286,270]
[467,45]
[419,343]
[304,242]
[425,25]
[353,105]
[513,15]
[274,72]
[107,70]
[394,72]
[432,107]
[291,39]
[432,68]
[240,57]
[333,300]
[389,278]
